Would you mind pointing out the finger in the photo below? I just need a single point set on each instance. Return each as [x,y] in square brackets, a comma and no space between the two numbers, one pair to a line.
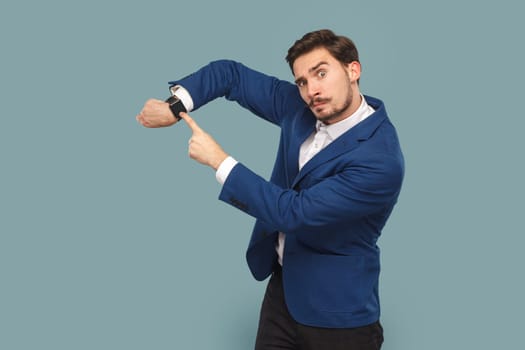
[140,119]
[191,123]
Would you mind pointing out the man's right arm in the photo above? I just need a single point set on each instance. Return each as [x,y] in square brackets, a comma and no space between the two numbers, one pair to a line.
[265,96]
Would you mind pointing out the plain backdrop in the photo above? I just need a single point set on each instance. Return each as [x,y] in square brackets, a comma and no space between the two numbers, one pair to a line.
[112,238]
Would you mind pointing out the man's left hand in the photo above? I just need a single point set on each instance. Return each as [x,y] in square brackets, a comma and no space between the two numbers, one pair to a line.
[202,147]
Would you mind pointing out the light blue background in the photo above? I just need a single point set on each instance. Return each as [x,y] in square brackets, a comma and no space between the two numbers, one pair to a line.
[112,238]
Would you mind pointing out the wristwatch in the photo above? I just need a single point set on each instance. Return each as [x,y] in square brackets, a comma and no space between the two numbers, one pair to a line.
[175,103]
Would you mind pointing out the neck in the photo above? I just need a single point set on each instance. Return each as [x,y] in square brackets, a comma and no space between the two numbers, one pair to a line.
[352,108]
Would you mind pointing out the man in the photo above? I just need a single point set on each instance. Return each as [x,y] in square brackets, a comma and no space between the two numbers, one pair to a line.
[337,176]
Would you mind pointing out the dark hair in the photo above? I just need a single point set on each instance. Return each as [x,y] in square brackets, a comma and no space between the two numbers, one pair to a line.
[340,47]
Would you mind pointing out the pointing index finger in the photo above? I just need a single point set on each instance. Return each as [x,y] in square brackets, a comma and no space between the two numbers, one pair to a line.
[189,120]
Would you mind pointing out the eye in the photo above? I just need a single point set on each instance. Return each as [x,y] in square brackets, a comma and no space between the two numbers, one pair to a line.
[301,83]
[321,73]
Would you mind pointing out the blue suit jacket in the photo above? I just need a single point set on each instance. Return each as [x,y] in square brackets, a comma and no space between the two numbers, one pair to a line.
[332,211]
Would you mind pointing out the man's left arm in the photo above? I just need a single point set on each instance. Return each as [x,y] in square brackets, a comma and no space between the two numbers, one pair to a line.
[355,192]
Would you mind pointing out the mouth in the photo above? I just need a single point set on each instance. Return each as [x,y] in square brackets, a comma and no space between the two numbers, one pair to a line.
[314,104]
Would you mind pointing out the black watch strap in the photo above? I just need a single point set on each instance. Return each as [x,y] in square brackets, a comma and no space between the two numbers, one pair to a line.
[176,106]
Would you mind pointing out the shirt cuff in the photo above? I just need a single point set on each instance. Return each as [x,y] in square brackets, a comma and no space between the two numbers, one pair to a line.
[225,169]
[185,97]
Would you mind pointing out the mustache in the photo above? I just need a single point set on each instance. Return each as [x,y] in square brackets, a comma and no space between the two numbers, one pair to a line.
[318,100]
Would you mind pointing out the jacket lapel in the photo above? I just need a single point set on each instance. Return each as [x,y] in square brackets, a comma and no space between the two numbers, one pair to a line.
[303,128]
[344,143]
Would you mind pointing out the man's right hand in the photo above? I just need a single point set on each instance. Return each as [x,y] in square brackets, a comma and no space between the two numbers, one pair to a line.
[156,114]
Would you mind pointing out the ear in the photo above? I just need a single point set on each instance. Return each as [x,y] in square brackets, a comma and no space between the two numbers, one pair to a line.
[354,70]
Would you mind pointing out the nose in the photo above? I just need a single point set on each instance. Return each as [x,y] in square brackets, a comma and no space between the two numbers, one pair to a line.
[312,90]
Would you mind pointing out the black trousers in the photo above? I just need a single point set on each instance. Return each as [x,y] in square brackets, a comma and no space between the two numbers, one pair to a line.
[278,330]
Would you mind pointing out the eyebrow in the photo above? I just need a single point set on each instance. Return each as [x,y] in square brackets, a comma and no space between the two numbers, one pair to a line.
[314,68]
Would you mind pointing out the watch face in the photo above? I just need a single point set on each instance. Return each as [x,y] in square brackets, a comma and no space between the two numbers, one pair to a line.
[172,100]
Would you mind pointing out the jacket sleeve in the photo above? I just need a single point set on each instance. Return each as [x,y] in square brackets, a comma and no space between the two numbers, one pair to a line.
[355,192]
[265,96]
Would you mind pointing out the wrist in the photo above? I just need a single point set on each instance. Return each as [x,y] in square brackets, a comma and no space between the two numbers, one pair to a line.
[219,160]
[176,106]
[225,169]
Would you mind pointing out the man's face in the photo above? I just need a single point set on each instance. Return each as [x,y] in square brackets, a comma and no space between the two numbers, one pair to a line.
[326,85]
